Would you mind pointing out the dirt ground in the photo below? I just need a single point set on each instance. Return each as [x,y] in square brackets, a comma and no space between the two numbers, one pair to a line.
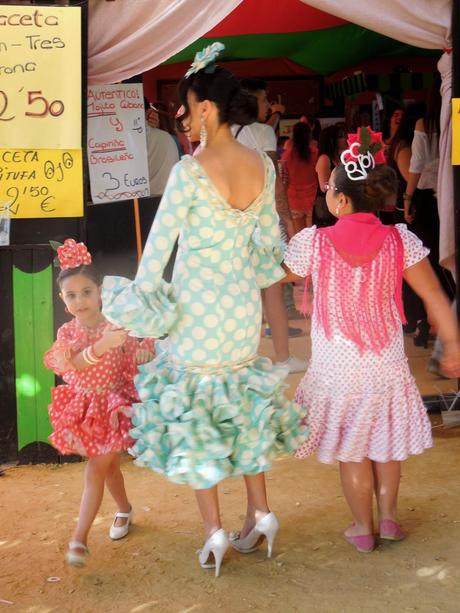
[155,568]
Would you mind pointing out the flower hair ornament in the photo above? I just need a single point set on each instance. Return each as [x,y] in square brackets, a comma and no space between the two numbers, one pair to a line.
[71,254]
[364,153]
[205,59]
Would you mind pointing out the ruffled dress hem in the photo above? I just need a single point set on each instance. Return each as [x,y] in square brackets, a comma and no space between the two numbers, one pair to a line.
[198,426]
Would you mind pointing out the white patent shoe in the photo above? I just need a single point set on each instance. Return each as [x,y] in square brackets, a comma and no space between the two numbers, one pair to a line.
[214,550]
[118,532]
[265,528]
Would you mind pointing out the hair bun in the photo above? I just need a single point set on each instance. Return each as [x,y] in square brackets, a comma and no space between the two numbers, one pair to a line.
[381,185]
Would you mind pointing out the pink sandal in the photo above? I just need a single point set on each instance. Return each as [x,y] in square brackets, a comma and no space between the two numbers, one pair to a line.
[391,530]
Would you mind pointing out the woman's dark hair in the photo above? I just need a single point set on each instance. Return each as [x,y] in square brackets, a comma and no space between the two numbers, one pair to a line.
[301,139]
[253,85]
[315,127]
[328,141]
[235,105]
[404,135]
[87,270]
[375,192]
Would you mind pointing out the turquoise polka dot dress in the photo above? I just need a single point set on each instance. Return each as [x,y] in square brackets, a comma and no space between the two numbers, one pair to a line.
[211,408]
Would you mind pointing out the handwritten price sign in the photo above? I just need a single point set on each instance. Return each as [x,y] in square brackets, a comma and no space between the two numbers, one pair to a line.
[40,77]
[117,149]
[41,183]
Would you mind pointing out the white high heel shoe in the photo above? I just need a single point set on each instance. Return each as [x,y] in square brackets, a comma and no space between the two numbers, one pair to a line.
[267,527]
[75,558]
[118,532]
[217,544]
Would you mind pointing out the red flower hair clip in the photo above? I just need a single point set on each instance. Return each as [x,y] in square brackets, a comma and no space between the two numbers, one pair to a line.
[364,153]
[72,254]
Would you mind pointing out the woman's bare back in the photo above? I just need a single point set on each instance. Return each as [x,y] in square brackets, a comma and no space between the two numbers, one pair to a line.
[237,172]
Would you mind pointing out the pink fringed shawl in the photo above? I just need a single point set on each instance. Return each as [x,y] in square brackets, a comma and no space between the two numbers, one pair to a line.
[365,317]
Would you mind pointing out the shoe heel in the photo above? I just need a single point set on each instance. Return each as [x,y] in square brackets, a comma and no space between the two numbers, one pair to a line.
[269,526]
[218,557]
[217,544]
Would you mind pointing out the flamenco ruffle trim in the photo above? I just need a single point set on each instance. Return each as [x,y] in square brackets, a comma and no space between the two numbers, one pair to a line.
[90,424]
[146,314]
[198,428]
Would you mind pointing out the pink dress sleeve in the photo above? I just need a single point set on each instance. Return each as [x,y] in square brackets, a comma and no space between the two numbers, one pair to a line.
[59,357]
[299,254]
[414,250]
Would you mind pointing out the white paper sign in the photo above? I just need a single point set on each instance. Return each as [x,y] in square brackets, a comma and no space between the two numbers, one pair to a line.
[117,149]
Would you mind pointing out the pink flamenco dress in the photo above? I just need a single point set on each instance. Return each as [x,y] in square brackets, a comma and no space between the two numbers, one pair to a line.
[360,398]
[90,415]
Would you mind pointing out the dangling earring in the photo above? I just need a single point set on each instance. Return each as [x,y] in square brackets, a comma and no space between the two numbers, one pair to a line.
[203,134]
[66,310]
[337,210]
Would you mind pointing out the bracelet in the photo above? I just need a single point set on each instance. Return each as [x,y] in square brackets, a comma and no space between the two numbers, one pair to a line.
[89,356]
[407,196]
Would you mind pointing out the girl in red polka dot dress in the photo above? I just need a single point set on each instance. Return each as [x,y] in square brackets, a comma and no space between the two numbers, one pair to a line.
[90,414]
[361,402]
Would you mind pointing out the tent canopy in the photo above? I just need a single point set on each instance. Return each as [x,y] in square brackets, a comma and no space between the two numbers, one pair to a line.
[291,29]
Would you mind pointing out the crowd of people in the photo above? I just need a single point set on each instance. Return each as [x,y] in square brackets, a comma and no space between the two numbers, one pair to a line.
[201,405]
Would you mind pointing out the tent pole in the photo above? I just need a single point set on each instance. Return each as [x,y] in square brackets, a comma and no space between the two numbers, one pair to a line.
[137,225]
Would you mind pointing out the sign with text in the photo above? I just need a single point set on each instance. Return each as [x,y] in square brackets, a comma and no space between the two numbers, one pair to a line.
[41,183]
[117,150]
[40,77]
[456,131]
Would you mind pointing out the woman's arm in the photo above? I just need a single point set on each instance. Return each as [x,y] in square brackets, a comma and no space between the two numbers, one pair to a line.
[424,282]
[416,166]
[323,170]
[290,277]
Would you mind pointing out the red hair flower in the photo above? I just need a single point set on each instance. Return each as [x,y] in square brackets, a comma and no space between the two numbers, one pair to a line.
[370,142]
[72,254]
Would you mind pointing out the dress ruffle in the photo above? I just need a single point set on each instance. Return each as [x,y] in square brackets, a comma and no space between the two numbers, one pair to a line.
[198,426]
[266,259]
[150,313]
[92,422]
[380,419]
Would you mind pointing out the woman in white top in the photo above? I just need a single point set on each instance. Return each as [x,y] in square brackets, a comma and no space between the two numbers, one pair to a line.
[420,204]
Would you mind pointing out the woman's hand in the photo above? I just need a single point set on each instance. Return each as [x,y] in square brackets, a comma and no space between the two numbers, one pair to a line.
[408,217]
[143,356]
[450,360]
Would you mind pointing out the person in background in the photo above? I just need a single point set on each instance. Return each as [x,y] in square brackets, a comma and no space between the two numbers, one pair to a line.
[420,203]
[162,151]
[299,161]
[261,137]
[395,120]
[315,127]
[332,143]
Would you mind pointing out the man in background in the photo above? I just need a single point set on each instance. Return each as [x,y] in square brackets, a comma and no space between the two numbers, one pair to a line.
[261,137]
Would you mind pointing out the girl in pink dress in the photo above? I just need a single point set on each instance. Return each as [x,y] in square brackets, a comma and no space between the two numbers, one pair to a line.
[362,404]
[299,162]
[90,415]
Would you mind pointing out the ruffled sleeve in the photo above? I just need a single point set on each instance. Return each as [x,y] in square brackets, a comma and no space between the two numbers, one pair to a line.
[267,247]
[147,306]
[414,249]
[299,253]
[66,346]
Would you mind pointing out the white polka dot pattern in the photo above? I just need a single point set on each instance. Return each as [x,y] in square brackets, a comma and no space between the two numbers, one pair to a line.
[358,405]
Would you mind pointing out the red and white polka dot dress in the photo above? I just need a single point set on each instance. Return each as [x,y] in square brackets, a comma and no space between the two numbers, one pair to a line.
[90,415]
[358,404]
